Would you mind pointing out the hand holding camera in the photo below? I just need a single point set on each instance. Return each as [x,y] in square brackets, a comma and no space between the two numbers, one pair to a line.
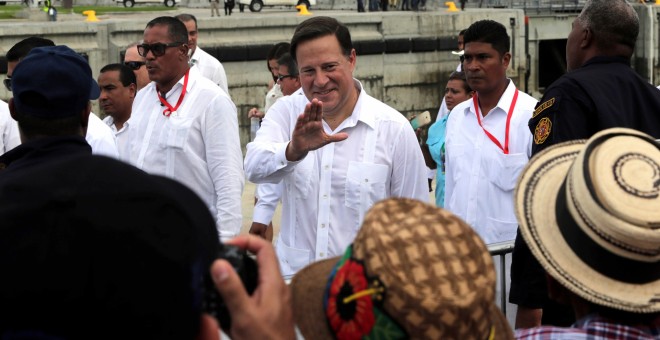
[263,311]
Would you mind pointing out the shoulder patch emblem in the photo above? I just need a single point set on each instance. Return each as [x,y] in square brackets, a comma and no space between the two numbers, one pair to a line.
[542,130]
[543,106]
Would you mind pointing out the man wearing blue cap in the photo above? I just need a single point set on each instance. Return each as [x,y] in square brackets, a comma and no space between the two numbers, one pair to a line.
[98,135]
[72,268]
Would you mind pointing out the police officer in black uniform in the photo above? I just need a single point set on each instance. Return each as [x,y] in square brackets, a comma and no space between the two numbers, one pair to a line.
[600,91]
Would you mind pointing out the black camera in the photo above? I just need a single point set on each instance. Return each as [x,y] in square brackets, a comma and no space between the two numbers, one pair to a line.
[245,267]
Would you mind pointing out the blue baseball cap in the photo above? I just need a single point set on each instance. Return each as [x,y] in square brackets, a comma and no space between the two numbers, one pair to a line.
[53,82]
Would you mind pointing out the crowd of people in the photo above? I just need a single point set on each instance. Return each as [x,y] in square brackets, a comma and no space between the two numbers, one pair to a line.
[114,230]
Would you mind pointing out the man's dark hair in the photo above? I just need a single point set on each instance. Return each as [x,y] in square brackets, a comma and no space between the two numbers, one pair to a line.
[612,22]
[317,27]
[23,47]
[187,17]
[490,32]
[175,28]
[287,60]
[276,52]
[126,75]
[458,75]
[462,32]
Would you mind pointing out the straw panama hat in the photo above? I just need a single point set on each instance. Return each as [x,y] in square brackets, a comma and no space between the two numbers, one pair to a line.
[590,213]
[413,271]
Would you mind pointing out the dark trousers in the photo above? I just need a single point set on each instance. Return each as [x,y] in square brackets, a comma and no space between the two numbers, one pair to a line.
[229,6]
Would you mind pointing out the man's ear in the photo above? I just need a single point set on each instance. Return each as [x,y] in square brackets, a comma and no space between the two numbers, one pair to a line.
[132,89]
[84,117]
[506,59]
[185,51]
[12,109]
[208,328]
[586,38]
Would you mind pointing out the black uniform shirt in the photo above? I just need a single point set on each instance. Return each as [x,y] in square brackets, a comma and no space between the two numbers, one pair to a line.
[604,93]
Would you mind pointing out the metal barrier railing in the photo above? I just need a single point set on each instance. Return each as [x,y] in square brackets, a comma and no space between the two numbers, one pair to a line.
[539,5]
[501,249]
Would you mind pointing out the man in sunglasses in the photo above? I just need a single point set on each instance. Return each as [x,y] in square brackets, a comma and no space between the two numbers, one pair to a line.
[135,62]
[209,66]
[99,136]
[185,127]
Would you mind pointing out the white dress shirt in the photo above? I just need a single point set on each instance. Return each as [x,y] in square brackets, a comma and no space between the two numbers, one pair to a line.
[100,137]
[327,193]
[121,137]
[197,145]
[210,68]
[269,194]
[479,177]
[9,135]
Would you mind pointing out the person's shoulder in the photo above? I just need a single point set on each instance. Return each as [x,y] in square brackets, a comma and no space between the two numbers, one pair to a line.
[97,128]
[382,111]
[213,61]
[204,85]
[144,93]
[4,112]
[295,103]
[459,111]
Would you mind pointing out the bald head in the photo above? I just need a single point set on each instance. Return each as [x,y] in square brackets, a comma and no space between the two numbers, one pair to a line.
[141,73]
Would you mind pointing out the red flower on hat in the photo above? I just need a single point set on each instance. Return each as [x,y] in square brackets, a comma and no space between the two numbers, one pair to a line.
[355,318]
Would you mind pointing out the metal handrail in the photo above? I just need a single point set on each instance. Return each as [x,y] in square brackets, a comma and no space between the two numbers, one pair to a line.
[501,249]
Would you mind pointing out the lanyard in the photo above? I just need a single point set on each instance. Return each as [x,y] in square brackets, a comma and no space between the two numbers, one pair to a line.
[170,110]
[505,149]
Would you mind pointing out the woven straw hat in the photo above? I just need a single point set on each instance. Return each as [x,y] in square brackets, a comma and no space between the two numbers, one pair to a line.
[413,271]
[590,213]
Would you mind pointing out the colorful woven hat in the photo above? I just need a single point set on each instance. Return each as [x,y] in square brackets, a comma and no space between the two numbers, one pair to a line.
[413,271]
[590,213]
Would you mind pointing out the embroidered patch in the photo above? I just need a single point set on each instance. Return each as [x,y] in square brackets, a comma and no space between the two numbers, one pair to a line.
[542,130]
[543,106]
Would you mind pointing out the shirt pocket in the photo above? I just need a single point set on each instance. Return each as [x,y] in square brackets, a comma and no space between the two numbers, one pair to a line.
[291,259]
[175,132]
[303,176]
[503,176]
[508,168]
[366,179]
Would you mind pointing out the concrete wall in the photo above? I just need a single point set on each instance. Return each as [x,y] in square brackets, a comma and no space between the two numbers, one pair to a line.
[410,81]
[404,58]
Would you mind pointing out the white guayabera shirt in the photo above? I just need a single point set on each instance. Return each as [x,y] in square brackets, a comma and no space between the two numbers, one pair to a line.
[327,193]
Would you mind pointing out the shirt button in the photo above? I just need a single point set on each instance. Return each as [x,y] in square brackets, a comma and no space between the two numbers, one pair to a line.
[366,180]
[327,167]
[325,196]
[321,254]
[323,225]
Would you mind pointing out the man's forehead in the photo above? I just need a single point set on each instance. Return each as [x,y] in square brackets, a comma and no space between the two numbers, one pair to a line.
[109,76]
[477,47]
[132,54]
[156,33]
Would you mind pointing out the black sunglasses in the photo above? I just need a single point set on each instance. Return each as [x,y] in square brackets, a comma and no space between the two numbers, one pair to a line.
[134,65]
[158,49]
[7,82]
[282,76]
